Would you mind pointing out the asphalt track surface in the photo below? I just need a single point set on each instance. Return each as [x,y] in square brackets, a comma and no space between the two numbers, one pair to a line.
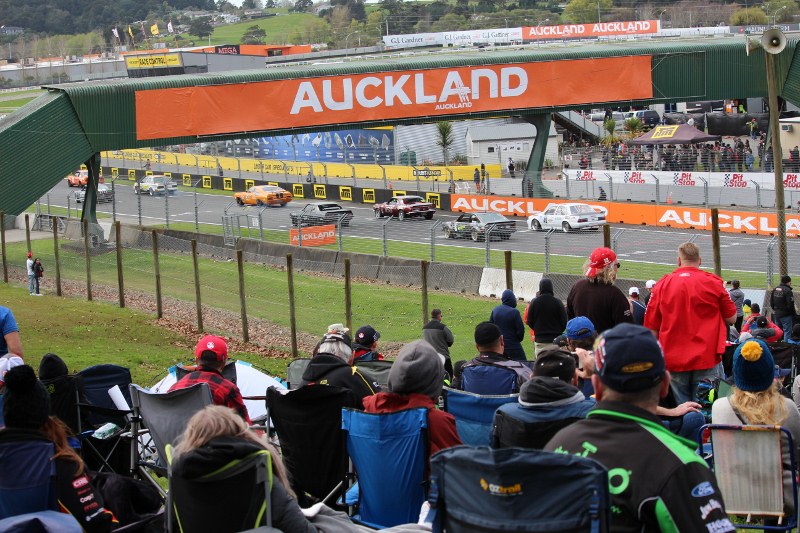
[632,243]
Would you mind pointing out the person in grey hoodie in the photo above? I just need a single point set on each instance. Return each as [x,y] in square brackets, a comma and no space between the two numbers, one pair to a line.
[737,296]
[506,317]
[546,316]
[440,337]
[549,401]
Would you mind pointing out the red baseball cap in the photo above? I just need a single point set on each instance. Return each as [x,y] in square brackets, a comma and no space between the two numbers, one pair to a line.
[600,259]
[212,343]
[30,254]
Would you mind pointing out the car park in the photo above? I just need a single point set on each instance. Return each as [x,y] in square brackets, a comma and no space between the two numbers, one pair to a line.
[475,226]
[568,217]
[320,213]
[104,194]
[155,184]
[80,178]
[270,195]
[404,207]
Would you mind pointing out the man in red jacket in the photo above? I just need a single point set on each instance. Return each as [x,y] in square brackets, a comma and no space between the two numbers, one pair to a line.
[415,380]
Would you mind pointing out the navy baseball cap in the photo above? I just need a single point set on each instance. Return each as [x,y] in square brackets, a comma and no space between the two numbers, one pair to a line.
[629,358]
[580,327]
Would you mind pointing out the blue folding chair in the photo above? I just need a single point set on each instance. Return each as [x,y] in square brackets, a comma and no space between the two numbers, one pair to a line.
[474,413]
[27,477]
[389,453]
[41,522]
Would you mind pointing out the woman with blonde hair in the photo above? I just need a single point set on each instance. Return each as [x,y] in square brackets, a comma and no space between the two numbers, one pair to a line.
[595,296]
[756,400]
[217,435]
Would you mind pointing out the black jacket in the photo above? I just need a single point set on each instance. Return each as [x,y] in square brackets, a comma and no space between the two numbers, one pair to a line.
[547,316]
[439,336]
[782,301]
[658,482]
[604,305]
[327,369]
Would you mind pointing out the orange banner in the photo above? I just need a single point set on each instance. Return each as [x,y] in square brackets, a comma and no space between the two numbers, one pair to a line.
[580,31]
[380,96]
[749,222]
[314,236]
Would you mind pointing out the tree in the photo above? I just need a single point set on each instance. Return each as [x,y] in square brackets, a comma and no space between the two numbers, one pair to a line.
[583,11]
[746,17]
[251,4]
[444,139]
[254,35]
[201,27]
[301,6]
[782,10]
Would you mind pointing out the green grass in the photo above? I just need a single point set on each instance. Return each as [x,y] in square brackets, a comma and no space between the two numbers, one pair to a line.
[278,28]
[8,106]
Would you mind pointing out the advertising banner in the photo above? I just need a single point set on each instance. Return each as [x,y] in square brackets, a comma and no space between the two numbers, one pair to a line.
[583,31]
[730,180]
[359,145]
[382,96]
[314,236]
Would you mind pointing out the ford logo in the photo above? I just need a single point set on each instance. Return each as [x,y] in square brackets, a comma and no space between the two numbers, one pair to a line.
[703,489]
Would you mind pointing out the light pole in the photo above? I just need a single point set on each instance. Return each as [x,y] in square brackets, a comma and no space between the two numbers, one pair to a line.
[347,40]
[660,22]
[775,15]
[598,11]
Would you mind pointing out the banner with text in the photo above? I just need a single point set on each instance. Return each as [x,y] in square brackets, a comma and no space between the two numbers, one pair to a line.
[314,236]
[582,31]
[731,180]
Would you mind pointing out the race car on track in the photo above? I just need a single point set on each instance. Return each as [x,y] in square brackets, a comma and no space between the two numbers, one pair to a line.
[475,226]
[80,178]
[263,195]
[104,194]
[321,213]
[568,217]
[404,207]
[156,184]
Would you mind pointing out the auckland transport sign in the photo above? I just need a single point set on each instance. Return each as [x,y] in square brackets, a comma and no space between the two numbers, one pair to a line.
[381,96]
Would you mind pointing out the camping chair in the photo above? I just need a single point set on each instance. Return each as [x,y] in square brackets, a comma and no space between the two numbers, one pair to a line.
[377,371]
[27,477]
[494,379]
[294,372]
[748,464]
[473,489]
[389,453]
[233,498]
[165,417]
[41,522]
[308,422]
[65,397]
[474,413]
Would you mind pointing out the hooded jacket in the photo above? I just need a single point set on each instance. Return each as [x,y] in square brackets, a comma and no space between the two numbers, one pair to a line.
[65,390]
[286,513]
[547,316]
[327,369]
[439,336]
[506,317]
[545,406]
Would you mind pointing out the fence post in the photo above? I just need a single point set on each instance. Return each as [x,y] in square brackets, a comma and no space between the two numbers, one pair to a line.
[547,250]
[424,280]
[197,287]
[166,203]
[705,190]
[487,236]
[120,281]
[54,222]
[28,231]
[157,271]
[385,245]
[88,259]
[348,295]
[715,241]
[770,261]
[615,239]
[433,239]
[658,189]
[137,186]
[607,235]
[242,297]
[509,271]
[292,319]
[566,183]
[758,194]
[3,245]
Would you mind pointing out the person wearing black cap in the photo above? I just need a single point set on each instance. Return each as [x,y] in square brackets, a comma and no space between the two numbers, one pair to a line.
[495,365]
[26,411]
[763,328]
[658,482]
[415,380]
[330,365]
[365,345]
[782,302]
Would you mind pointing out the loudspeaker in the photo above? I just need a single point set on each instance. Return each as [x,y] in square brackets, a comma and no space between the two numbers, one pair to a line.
[751,45]
[773,41]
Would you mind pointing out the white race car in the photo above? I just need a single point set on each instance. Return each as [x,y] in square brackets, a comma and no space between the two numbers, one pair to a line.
[568,217]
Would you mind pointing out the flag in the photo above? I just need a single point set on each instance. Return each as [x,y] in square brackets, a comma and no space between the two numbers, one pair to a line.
[170,28]
[115,32]
[154,29]
[130,31]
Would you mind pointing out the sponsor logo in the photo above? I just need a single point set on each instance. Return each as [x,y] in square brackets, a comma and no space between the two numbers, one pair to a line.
[703,489]
[735,180]
[720,526]
[633,177]
[501,490]
[80,482]
[315,236]
[792,181]
[706,509]
[585,175]
[664,132]
[683,178]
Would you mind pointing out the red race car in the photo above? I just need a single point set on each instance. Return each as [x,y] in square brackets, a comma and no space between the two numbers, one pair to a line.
[404,207]
[80,178]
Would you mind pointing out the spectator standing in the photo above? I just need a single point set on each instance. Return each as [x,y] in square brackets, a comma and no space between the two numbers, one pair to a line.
[637,307]
[782,303]
[31,274]
[476,178]
[649,284]
[595,296]
[506,316]
[211,355]
[737,297]
[38,272]
[601,197]
[653,473]
[511,168]
[147,165]
[365,345]
[690,312]
[330,366]
[546,316]
[491,345]
[438,335]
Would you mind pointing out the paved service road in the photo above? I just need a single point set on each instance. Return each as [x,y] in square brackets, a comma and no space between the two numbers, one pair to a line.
[632,243]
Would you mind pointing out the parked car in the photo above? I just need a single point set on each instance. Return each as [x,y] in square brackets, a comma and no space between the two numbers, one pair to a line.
[568,217]
[648,117]
[80,178]
[321,213]
[104,194]
[263,195]
[475,226]
[155,184]
[404,207]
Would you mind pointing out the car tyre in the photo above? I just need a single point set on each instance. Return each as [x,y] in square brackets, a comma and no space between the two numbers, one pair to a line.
[259,203]
[378,213]
[476,235]
[428,216]
[449,233]
[239,201]
[401,215]
[565,227]
[536,225]
[152,192]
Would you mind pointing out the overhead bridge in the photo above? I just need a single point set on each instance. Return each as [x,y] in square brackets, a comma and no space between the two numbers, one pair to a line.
[71,124]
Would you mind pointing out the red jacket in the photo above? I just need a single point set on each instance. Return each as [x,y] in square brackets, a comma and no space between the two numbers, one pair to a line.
[441,426]
[751,321]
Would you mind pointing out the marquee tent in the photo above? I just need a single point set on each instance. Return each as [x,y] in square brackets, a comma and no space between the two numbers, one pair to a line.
[676,134]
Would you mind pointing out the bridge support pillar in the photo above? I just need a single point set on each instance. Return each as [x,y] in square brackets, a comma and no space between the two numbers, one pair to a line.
[532,186]
[93,166]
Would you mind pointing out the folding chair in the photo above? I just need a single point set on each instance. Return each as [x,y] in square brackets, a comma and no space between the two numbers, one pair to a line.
[65,396]
[377,371]
[41,522]
[97,380]
[165,417]
[27,477]
[514,489]
[474,413]
[232,497]
[308,422]
[494,379]
[389,453]
[294,372]
[748,464]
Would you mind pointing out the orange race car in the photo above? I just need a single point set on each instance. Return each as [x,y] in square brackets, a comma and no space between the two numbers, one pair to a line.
[263,195]
[81,178]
